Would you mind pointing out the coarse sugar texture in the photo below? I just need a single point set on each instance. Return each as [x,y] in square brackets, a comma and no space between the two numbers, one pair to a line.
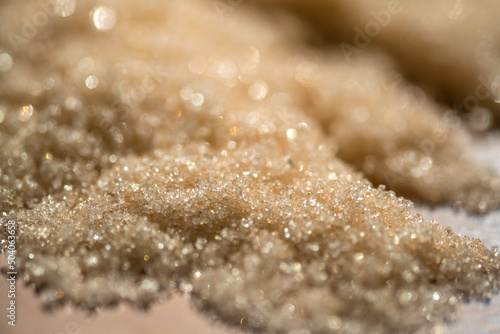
[150,148]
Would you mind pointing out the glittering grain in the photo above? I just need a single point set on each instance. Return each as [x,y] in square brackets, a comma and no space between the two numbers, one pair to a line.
[26,112]
[91,82]
[258,90]
[6,62]
[63,8]
[104,18]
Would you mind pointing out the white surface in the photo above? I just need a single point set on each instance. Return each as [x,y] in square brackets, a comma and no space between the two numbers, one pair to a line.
[476,317]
